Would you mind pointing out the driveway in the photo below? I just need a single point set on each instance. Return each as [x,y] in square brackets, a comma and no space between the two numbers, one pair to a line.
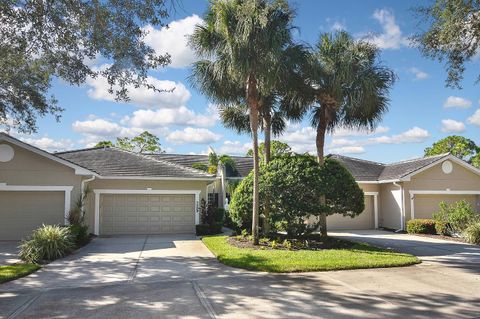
[8,252]
[429,250]
[177,277]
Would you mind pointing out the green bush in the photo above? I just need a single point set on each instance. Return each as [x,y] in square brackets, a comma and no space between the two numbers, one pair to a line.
[79,234]
[442,228]
[294,185]
[206,229]
[47,243]
[421,226]
[456,216]
[219,215]
[472,233]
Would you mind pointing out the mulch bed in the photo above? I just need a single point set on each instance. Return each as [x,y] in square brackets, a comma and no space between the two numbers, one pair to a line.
[310,243]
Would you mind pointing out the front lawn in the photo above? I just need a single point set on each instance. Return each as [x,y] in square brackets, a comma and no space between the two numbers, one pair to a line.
[11,272]
[273,260]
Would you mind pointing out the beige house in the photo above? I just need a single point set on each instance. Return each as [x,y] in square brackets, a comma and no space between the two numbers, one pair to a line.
[160,193]
[398,192]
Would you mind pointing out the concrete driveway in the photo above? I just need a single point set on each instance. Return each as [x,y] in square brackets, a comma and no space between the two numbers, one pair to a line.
[8,252]
[177,277]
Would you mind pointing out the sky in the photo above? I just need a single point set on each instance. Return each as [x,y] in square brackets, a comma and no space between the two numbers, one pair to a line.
[422,109]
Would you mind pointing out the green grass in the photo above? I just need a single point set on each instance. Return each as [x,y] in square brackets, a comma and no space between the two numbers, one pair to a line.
[11,272]
[357,257]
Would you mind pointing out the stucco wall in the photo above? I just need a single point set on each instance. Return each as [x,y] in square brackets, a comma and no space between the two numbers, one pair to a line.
[28,168]
[139,184]
[390,206]
[434,178]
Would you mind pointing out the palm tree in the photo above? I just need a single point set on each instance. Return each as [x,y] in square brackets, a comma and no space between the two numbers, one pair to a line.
[344,85]
[242,43]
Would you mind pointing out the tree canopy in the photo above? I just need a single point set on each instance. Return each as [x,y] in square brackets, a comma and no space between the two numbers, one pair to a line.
[452,35]
[459,146]
[42,40]
[146,142]
[294,183]
[277,148]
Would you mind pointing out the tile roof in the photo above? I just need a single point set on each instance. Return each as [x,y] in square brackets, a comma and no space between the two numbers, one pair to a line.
[111,161]
[243,164]
[364,170]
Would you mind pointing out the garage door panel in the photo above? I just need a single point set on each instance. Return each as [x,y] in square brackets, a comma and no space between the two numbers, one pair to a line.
[426,205]
[146,214]
[366,219]
[22,212]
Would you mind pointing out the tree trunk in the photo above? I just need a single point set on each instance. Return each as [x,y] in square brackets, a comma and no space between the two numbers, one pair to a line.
[252,100]
[320,143]
[267,120]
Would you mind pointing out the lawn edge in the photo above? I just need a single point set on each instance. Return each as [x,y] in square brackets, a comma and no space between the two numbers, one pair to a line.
[256,269]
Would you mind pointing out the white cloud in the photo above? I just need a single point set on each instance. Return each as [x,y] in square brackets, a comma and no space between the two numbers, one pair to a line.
[48,144]
[392,37]
[419,74]
[98,127]
[234,148]
[300,139]
[475,118]
[347,150]
[456,101]
[193,136]
[174,40]
[341,132]
[142,96]
[413,135]
[452,126]
[163,117]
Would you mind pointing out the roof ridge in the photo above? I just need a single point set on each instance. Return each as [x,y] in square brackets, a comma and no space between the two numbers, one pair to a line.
[84,149]
[359,159]
[418,159]
[169,163]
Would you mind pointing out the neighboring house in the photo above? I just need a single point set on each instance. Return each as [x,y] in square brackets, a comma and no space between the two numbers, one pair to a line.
[398,192]
[160,193]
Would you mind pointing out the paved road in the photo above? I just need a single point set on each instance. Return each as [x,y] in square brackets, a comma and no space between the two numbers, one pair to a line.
[177,277]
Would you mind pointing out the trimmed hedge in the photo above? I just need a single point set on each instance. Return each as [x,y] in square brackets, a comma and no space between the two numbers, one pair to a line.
[206,229]
[421,226]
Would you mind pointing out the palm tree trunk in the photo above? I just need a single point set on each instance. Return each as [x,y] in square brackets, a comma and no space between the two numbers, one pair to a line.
[267,120]
[320,143]
[252,101]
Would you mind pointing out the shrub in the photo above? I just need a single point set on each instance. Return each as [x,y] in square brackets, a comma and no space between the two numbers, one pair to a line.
[206,229]
[442,228]
[421,226]
[219,215]
[456,216]
[47,243]
[294,184]
[472,233]
[79,234]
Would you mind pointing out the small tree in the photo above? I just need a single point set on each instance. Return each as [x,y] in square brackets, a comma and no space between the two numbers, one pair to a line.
[458,146]
[294,184]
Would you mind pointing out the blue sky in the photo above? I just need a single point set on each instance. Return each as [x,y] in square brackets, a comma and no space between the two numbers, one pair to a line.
[422,109]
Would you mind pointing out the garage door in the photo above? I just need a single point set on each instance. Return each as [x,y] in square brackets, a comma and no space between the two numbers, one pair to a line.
[426,205]
[22,212]
[146,214]
[366,219]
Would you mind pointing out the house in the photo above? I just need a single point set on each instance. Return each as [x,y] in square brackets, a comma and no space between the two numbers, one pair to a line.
[160,193]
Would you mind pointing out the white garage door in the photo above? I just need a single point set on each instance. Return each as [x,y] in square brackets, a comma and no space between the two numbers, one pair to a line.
[146,214]
[366,219]
[22,212]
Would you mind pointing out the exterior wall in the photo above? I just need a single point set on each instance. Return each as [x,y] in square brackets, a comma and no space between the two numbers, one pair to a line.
[28,168]
[366,220]
[390,206]
[434,179]
[138,184]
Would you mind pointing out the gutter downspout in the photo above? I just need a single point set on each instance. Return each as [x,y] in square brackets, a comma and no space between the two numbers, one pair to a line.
[82,188]
[402,208]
